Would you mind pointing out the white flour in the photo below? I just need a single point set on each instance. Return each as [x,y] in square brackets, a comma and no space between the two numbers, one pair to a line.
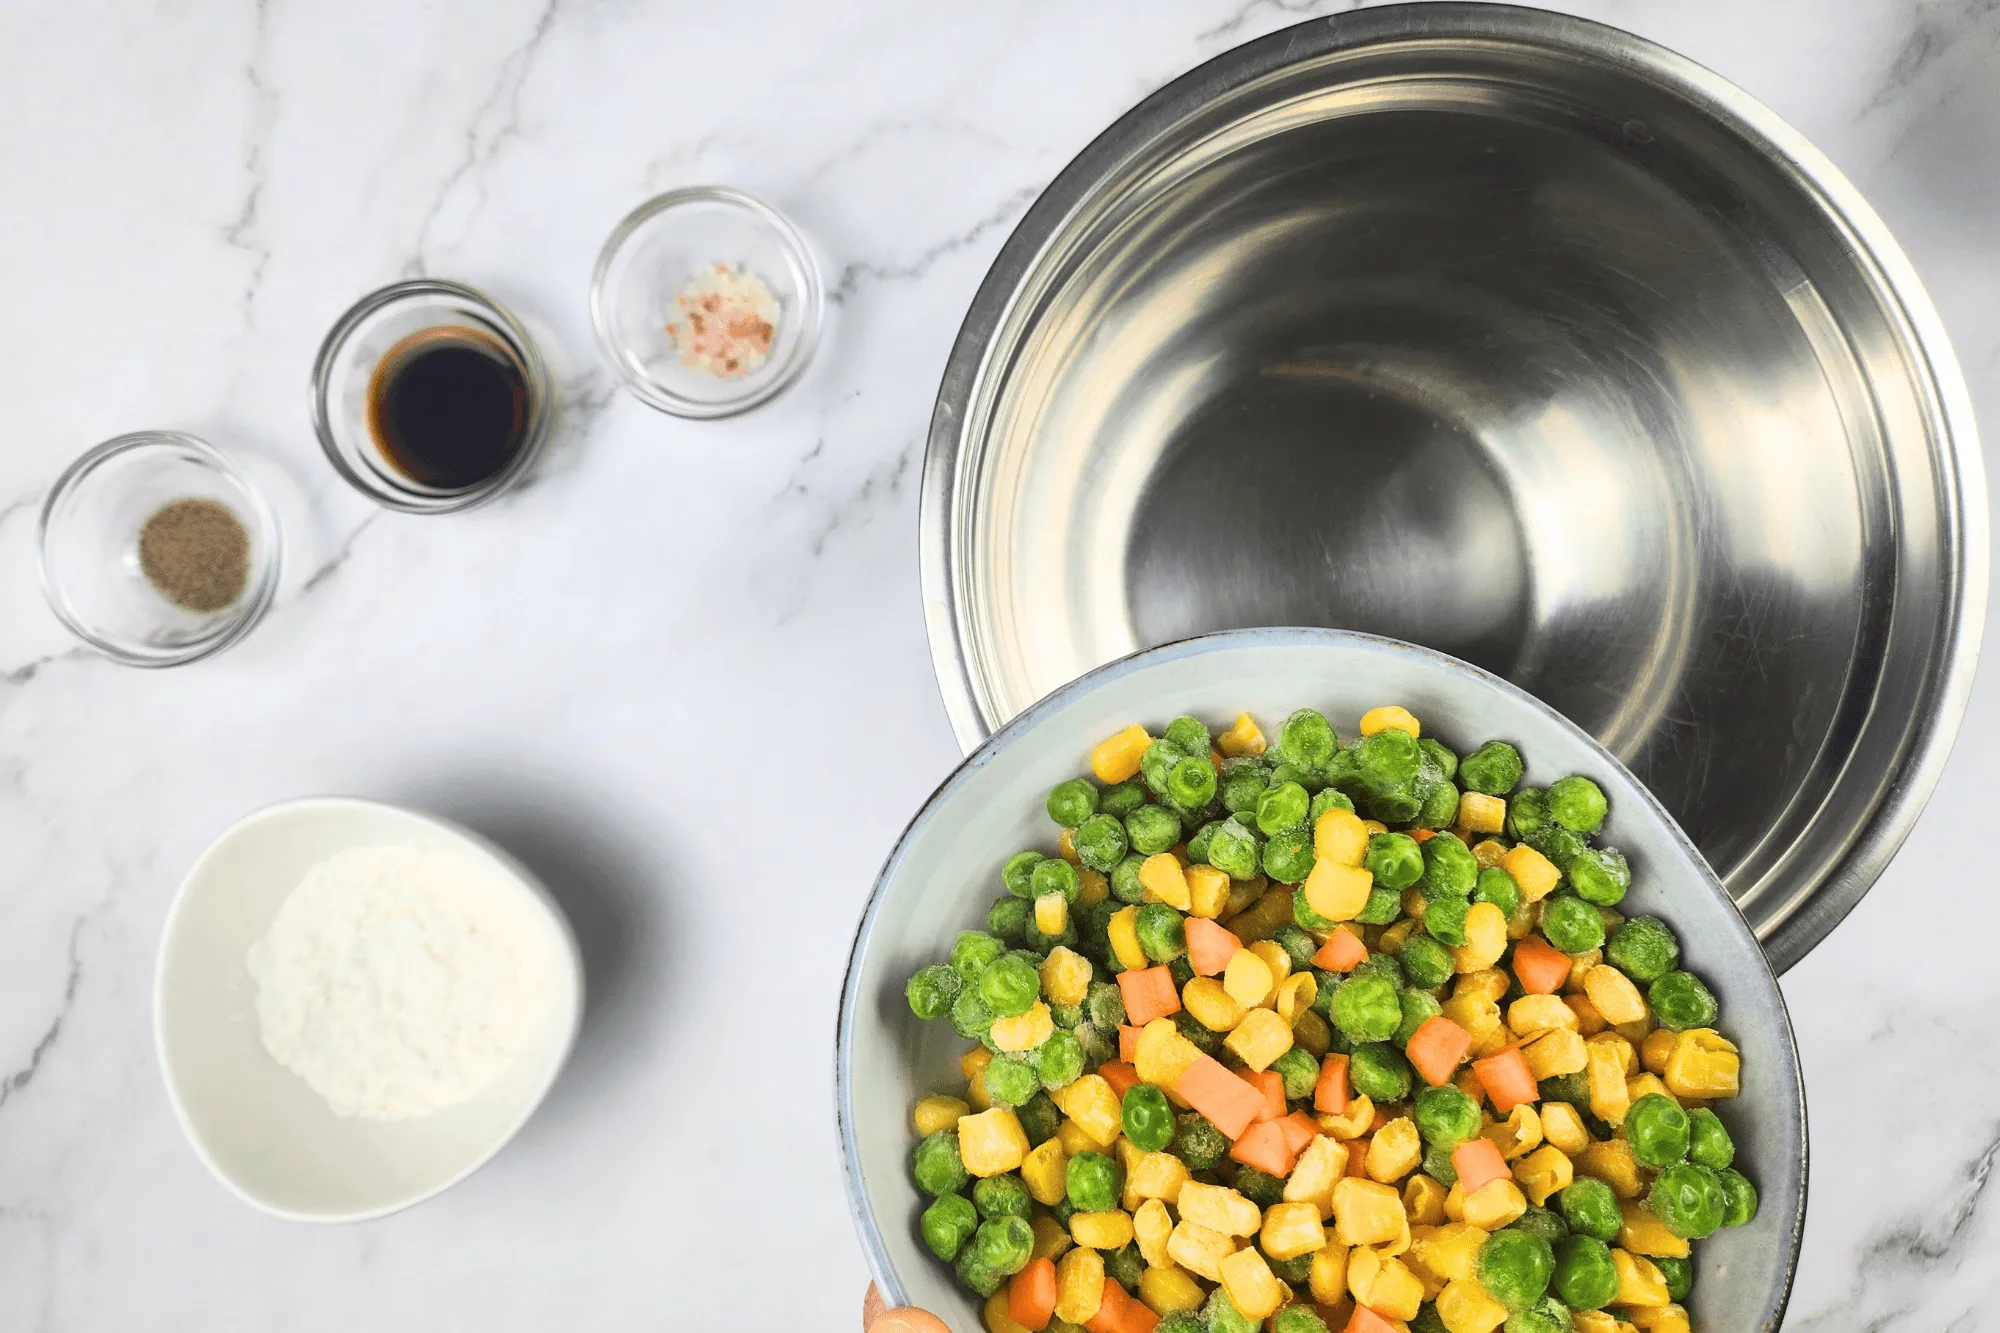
[397,982]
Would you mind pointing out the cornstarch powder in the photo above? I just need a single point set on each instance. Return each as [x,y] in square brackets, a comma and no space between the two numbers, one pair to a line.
[397,982]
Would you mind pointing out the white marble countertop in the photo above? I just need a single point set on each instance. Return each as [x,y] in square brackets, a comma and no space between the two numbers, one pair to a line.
[601,671]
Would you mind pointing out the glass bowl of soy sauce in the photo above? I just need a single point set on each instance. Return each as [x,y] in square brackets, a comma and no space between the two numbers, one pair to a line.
[429,397]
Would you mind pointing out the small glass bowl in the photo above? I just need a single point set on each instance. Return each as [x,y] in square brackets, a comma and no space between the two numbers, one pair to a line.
[651,256]
[345,369]
[90,549]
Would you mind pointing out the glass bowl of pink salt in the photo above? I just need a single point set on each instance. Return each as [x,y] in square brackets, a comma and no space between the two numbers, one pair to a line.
[706,302]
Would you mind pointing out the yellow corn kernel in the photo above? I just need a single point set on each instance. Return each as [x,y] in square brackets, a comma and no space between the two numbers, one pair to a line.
[936,1112]
[1066,844]
[1311,1031]
[1467,1081]
[1532,1015]
[1452,1250]
[973,1063]
[1163,1054]
[1091,1103]
[1164,880]
[1489,852]
[1116,758]
[1155,1176]
[1480,813]
[1075,1139]
[1167,1289]
[1051,913]
[991,1142]
[1123,930]
[1555,1053]
[1660,1319]
[1395,1150]
[1367,1212]
[1219,1208]
[998,1315]
[1211,1005]
[1065,975]
[1044,1171]
[1637,1030]
[1495,1204]
[1327,1279]
[1479,1016]
[1640,1281]
[1488,982]
[1491,1044]
[1625,1055]
[1323,1162]
[1642,1233]
[1151,1225]
[1338,892]
[1128,1154]
[1290,1230]
[1485,938]
[1263,918]
[1543,1172]
[1413,903]
[1200,1249]
[1092,887]
[1656,1050]
[1110,1230]
[1338,836]
[1251,1285]
[1579,968]
[1374,826]
[1360,1115]
[1535,873]
[1260,1038]
[1599,1321]
[1562,1126]
[1381,719]
[1242,738]
[1588,1021]
[1464,1307]
[1296,996]
[976,1095]
[1704,1064]
[1024,1032]
[1208,891]
[1518,1135]
[1646,1085]
[1051,1240]
[1247,978]
[1280,963]
[1241,897]
[1616,998]
[1384,1285]
[1611,1161]
[1079,1285]
[1423,1201]
[1608,1099]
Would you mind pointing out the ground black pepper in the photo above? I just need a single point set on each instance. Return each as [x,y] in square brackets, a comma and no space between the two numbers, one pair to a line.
[195,553]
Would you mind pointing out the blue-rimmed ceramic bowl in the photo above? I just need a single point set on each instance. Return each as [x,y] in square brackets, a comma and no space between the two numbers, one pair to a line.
[945,871]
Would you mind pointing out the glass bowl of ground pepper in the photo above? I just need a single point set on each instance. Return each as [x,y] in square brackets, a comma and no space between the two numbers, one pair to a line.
[706,302]
[156,550]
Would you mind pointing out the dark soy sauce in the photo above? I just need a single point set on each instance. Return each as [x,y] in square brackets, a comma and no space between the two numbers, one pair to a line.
[448,407]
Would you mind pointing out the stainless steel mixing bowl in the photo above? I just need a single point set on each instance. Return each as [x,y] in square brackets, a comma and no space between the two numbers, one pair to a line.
[1509,334]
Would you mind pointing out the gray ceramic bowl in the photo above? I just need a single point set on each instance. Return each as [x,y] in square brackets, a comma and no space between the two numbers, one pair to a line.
[945,871]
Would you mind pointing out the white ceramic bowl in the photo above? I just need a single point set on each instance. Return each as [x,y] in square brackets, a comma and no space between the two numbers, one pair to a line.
[263,1132]
[944,873]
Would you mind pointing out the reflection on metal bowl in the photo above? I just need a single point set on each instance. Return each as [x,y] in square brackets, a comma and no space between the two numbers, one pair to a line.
[1508,334]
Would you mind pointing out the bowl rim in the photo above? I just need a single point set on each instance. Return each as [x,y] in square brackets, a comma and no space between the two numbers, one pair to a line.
[811,301]
[541,396]
[866,1224]
[267,536]
[570,965]
[1811,907]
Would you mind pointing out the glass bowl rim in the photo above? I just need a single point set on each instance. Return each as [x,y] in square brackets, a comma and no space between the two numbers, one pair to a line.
[811,301]
[264,534]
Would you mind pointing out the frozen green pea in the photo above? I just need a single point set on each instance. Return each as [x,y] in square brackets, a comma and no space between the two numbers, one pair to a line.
[1147,1117]
[1100,1045]
[1010,985]
[1379,1071]
[1543,1222]
[1094,1182]
[932,989]
[977,1277]
[1560,845]
[1437,1165]
[1739,1198]
[1437,806]
[1385,965]
[1158,762]
[1298,1318]
[1493,769]
[1299,947]
[1299,1070]
[947,1224]
[1243,781]
[1307,739]
[1577,803]
[1305,916]
[1643,948]
[1008,918]
[1547,1315]
[1059,1060]
[1571,924]
[1527,813]
[936,1165]
[972,951]
[1282,807]
[1591,1209]
[1018,873]
[1427,963]
[1180,1321]
[1104,1005]
[1190,733]
[1100,842]
[1680,1001]
[1066,1016]
[1383,906]
[1600,875]
[1152,829]
[1585,1277]
[1396,860]
[1221,1315]
[1679,1274]
[1205,1038]
[1289,856]
[1121,798]
[1011,1079]
[1055,875]
[1259,1187]
[1125,1265]
[1689,1199]
[1496,886]
[1198,1143]
[1709,1143]
[1367,1008]
[1191,784]
[1124,877]
[1072,802]
[1328,799]
[1657,1129]
[1515,1267]
[1234,851]
[1003,1244]
[1002,1196]
[1162,932]
[1418,1009]
[1445,1116]
[1199,843]
[1444,920]
[971,1016]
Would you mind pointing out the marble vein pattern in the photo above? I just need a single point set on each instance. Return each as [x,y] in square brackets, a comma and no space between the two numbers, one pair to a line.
[682,672]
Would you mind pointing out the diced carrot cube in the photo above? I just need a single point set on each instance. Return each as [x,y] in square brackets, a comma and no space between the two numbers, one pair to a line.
[1121,1076]
[1342,952]
[1128,1042]
[1436,1047]
[1330,1095]
[1541,966]
[1263,1146]
[1507,1079]
[1300,1129]
[1209,946]
[1366,1320]
[1478,1162]
[1031,1296]
[1110,1308]
[1149,994]
[1230,1104]
[1270,1085]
